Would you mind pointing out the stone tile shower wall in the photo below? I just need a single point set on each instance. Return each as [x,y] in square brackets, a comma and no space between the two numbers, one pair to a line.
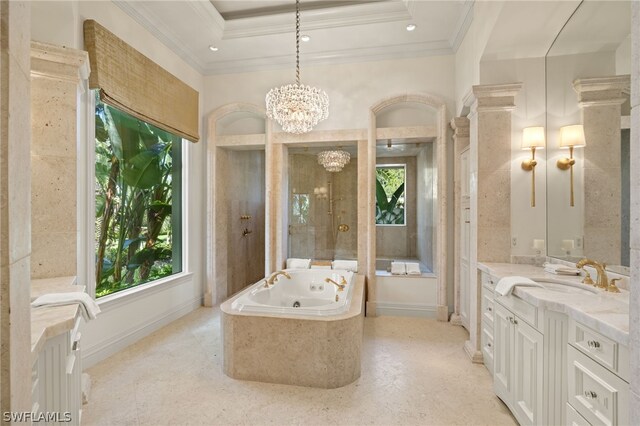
[400,241]
[320,238]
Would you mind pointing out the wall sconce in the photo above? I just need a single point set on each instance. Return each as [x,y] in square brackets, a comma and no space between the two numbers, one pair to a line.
[532,138]
[571,137]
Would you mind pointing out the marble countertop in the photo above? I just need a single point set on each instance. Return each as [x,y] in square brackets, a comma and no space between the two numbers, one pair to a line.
[607,313]
[50,321]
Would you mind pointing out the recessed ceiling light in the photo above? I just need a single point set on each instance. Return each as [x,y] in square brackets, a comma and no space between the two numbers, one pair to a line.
[305,37]
[213,48]
[411,27]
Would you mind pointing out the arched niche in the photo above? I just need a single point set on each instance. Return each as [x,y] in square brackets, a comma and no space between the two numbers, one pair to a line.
[390,110]
[233,130]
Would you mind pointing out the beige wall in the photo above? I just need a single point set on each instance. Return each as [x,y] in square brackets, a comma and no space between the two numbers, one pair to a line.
[245,196]
[319,238]
[400,241]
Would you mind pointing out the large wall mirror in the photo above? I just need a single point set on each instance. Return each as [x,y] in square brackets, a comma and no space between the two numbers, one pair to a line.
[587,75]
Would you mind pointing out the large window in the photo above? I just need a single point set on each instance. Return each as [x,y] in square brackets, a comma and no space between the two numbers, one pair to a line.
[390,194]
[138,201]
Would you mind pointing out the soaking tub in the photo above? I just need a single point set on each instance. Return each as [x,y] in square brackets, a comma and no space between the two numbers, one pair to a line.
[306,293]
[296,332]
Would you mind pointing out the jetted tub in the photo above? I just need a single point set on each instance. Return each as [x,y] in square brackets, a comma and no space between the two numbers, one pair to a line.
[305,293]
[316,344]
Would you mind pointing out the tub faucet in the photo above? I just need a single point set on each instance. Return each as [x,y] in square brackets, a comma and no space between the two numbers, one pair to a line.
[602,281]
[272,279]
[340,286]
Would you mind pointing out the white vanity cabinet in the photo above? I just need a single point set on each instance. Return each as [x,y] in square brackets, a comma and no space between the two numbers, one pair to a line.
[598,378]
[518,362]
[56,379]
[487,321]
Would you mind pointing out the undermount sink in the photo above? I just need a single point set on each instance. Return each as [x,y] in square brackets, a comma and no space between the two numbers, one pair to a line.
[567,288]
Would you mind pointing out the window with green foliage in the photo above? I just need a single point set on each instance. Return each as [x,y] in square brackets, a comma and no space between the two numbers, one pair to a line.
[390,194]
[138,201]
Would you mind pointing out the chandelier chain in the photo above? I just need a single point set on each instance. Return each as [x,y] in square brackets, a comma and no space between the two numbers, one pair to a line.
[298,42]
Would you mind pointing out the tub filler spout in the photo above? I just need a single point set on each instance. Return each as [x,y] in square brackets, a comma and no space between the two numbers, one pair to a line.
[272,279]
[340,286]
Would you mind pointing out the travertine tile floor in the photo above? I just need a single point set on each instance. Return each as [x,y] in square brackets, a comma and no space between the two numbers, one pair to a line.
[414,371]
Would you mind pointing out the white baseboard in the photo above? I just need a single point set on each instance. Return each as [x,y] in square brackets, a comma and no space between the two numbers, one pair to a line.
[406,310]
[105,349]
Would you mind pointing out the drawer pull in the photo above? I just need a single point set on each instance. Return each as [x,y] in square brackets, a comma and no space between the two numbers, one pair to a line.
[489,344]
[590,394]
[512,320]
[489,309]
[594,344]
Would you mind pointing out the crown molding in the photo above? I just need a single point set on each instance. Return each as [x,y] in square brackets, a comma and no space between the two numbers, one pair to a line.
[145,15]
[357,14]
[331,57]
[462,25]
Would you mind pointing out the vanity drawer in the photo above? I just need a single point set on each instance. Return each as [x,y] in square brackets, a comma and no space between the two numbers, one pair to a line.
[524,310]
[610,354]
[487,281]
[600,396]
[487,306]
[486,341]
[574,418]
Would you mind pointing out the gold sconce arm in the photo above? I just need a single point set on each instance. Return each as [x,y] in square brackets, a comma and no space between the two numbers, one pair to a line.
[571,137]
[529,165]
[567,164]
[532,138]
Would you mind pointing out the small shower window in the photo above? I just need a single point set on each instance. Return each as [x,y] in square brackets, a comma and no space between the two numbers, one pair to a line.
[390,194]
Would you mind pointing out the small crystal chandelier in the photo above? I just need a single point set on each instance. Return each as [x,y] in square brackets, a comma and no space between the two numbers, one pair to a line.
[296,107]
[334,161]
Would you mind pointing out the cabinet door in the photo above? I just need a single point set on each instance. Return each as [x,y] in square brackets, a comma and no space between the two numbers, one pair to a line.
[502,341]
[527,379]
[465,276]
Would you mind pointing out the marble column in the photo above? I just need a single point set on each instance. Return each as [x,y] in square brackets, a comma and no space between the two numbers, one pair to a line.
[634,299]
[490,191]
[15,207]
[460,126]
[601,101]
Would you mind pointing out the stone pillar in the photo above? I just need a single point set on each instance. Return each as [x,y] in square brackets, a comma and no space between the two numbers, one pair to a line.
[15,207]
[601,100]
[460,126]
[490,191]
[634,299]
[57,76]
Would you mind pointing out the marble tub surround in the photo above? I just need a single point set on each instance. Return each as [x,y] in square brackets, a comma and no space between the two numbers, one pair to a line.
[51,321]
[607,313]
[57,78]
[322,352]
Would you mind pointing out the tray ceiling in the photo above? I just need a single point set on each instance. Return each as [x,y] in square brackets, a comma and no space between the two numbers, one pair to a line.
[257,35]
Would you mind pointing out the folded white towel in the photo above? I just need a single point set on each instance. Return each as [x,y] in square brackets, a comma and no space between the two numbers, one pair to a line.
[558,269]
[506,284]
[88,307]
[348,265]
[293,263]
[398,268]
[413,268]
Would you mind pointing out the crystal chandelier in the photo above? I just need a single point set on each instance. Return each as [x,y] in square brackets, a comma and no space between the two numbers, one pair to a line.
[296,107]
[333,161]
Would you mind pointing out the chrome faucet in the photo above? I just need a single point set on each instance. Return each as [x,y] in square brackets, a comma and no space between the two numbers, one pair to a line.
[602,281]
[340,286]
[272,279]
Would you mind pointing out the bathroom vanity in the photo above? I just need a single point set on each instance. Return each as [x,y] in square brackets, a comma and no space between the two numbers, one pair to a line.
[559,354]
[56,373]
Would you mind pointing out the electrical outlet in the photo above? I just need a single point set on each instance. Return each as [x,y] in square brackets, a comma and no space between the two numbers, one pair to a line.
[514,241]
[579,242]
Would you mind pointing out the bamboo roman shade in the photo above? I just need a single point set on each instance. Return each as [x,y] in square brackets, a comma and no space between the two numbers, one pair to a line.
[130,81]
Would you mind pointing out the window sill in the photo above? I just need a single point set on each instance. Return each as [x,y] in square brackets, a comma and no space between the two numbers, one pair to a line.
[124,297]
